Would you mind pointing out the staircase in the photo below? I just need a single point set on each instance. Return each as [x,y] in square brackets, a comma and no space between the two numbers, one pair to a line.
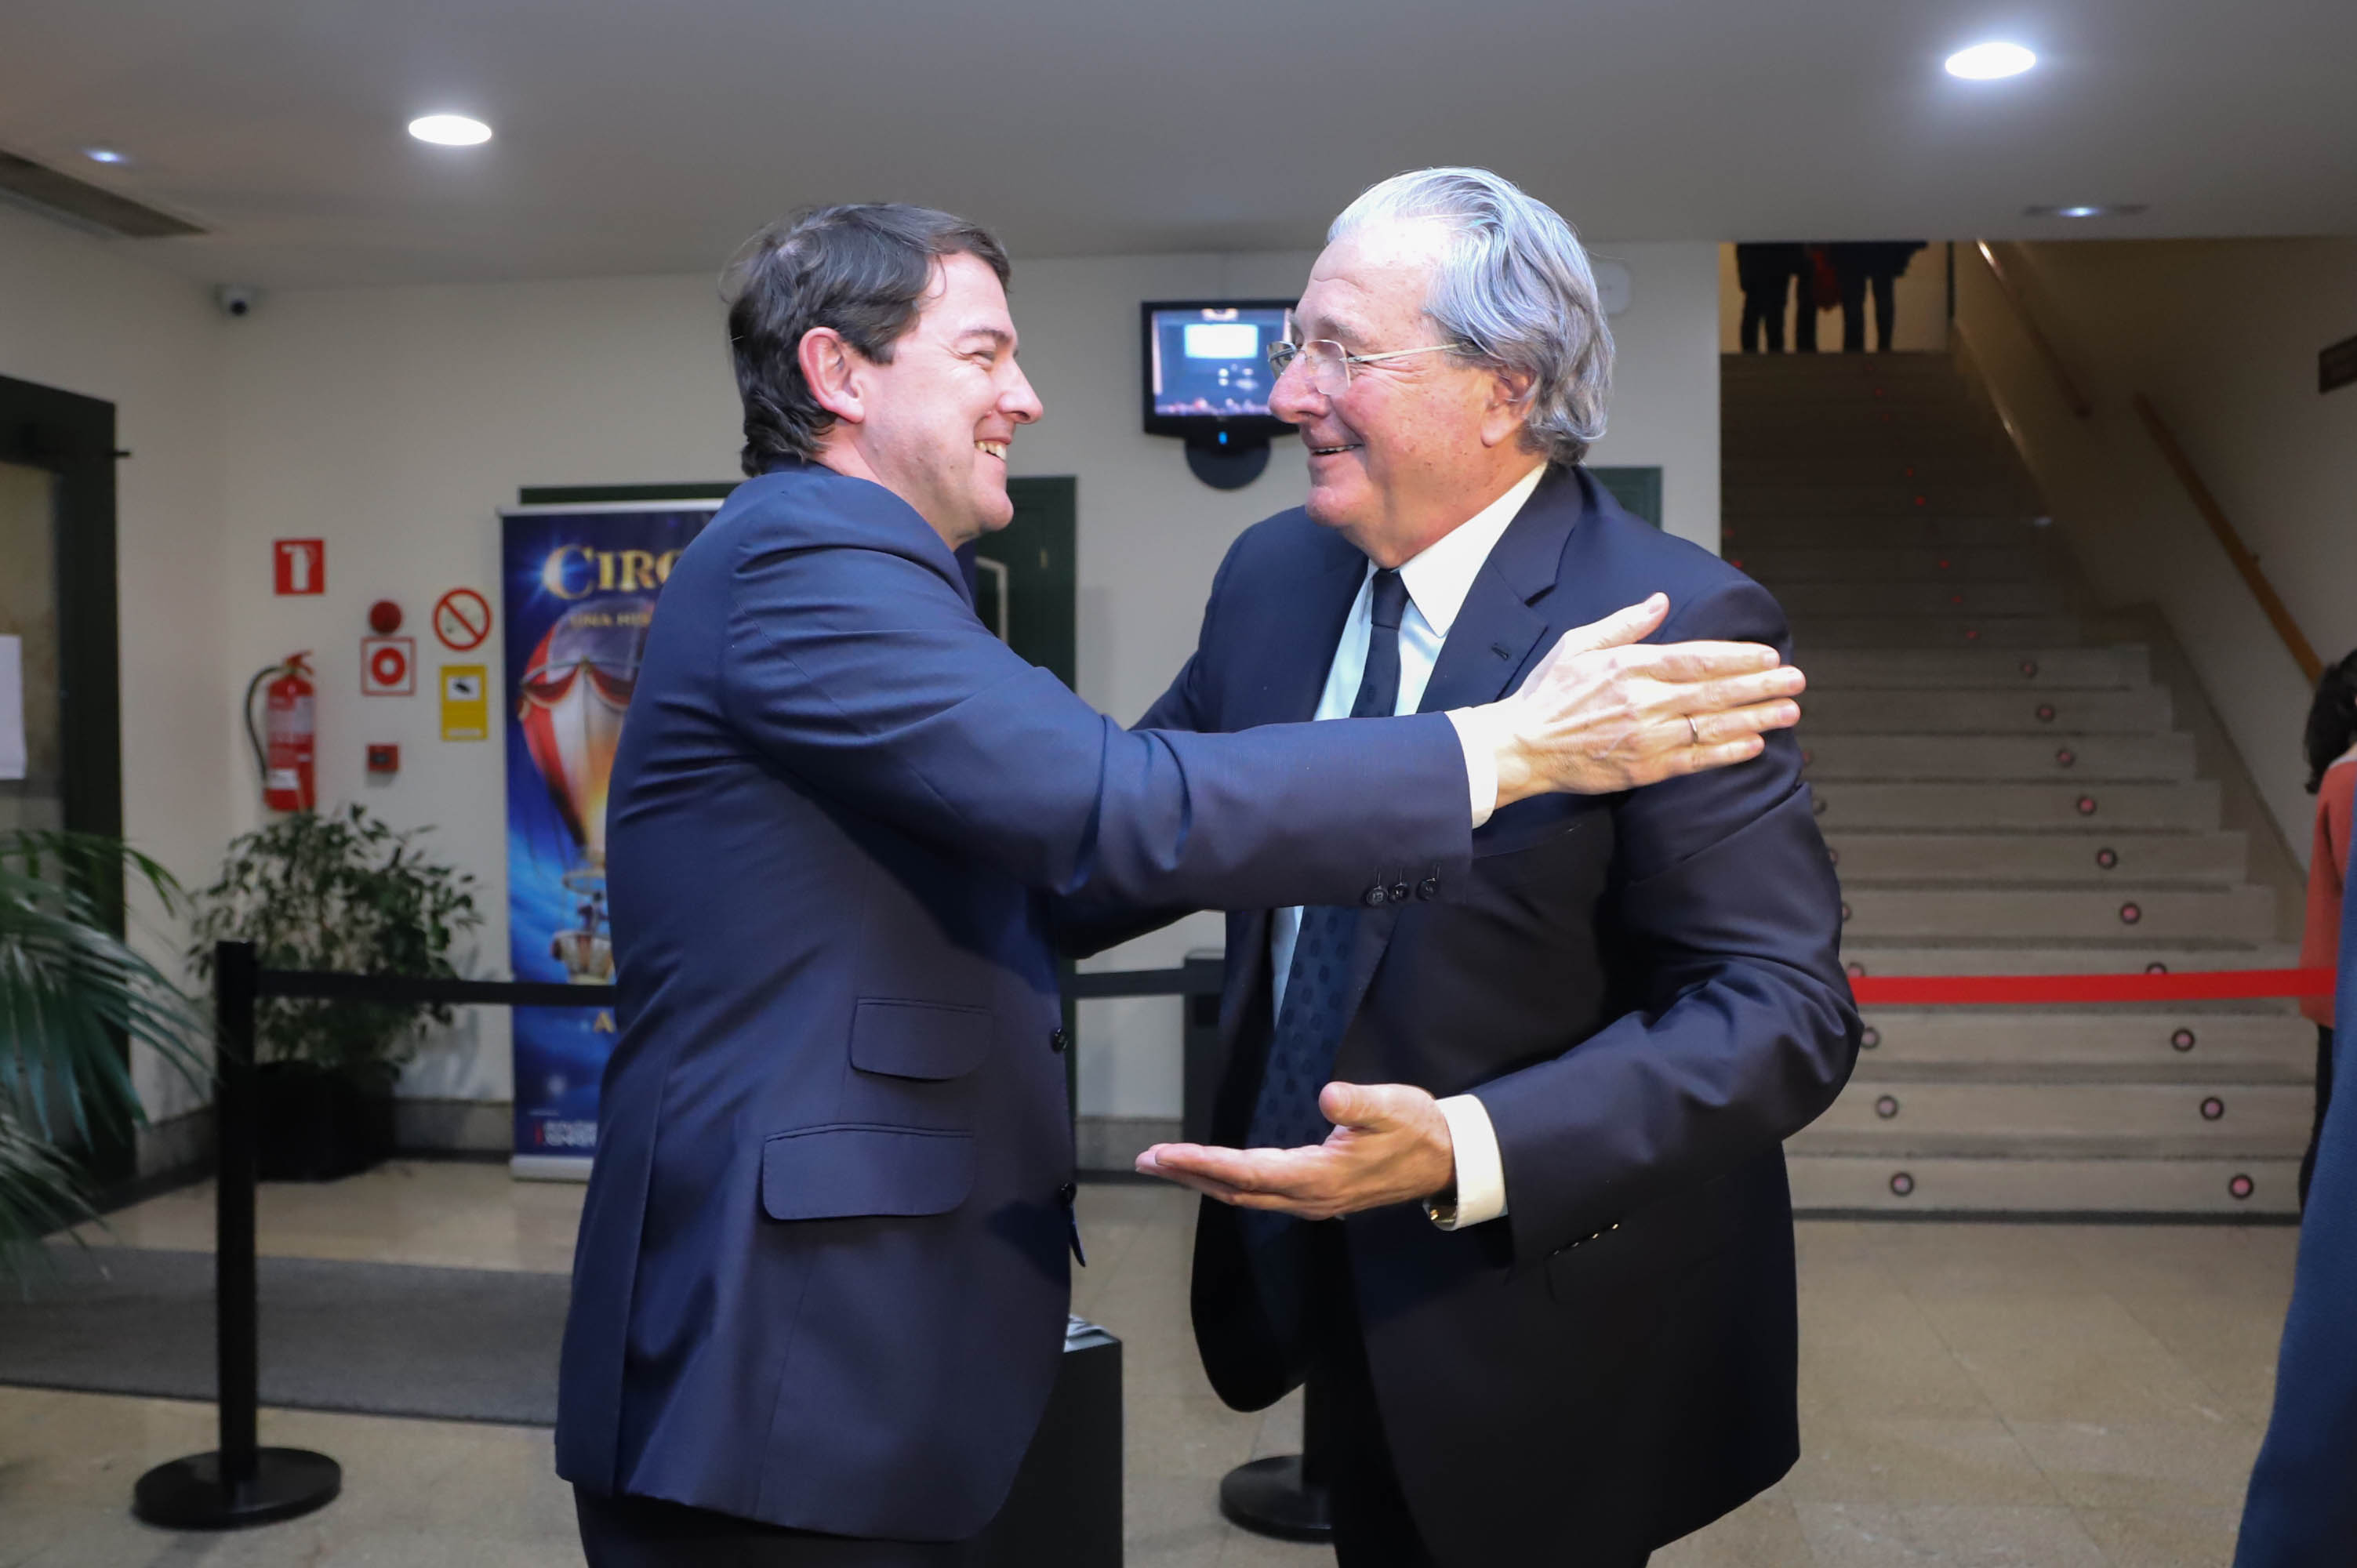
[2001,795]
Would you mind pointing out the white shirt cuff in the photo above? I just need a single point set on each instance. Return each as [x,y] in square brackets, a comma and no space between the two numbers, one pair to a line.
[1481,1170]
[1480,760]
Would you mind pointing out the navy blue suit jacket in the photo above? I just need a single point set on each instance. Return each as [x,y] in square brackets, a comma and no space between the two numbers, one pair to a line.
[2302,1508]
[821,1276]
[1645,992]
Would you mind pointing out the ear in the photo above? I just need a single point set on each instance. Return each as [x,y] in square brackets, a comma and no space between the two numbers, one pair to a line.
[1501,416]
[831,369]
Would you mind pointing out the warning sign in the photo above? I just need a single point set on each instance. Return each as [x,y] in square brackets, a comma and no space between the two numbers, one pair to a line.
[466,706]
[388,666]
[462,619]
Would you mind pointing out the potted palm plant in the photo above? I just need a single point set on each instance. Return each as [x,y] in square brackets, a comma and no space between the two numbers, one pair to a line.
[339,891]
[72,993]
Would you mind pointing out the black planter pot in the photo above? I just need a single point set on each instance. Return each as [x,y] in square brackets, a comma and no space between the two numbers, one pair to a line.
[316,1126]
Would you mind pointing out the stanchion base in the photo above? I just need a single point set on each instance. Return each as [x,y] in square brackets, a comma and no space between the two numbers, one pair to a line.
[188,1494]
[1268,1497]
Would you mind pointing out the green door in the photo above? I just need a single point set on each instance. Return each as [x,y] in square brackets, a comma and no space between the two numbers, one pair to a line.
[1025,586]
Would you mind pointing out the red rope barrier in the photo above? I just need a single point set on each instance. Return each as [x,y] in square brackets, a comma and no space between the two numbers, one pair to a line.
[1985,990]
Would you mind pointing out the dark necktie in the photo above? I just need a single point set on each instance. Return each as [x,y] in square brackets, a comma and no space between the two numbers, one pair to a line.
[1317,987]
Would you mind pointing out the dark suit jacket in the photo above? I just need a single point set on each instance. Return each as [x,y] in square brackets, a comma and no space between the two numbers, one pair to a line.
[2302,1508]
[821,1276]
[1645,992]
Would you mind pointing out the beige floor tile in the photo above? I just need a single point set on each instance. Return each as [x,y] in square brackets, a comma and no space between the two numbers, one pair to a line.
[2099,1383]
[1908,1461]
[2164,1538]
[1846,1535]
[2184,1465]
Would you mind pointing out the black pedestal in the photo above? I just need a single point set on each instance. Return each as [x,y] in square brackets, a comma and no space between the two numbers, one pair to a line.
[1065,1508]
[188,1494]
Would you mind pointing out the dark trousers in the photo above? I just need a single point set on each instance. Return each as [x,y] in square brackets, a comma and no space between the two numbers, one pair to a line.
[2323,1099]
[1763,311]
[642,1532]
[1854,288]
[1372,1525]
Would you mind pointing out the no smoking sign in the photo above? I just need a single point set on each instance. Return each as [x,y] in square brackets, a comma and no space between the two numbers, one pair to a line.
[388,666]
[462,619]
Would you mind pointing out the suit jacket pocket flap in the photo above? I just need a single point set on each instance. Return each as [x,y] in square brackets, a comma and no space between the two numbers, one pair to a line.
[841,1173]
[919,1039]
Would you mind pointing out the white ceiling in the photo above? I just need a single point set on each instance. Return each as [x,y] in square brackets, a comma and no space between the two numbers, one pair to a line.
[652,136]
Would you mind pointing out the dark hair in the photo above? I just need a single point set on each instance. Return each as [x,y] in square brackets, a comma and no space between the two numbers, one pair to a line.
[2331,719]
[863,271]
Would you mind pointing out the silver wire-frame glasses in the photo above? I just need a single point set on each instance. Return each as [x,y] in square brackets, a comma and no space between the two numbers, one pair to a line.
[1330,363]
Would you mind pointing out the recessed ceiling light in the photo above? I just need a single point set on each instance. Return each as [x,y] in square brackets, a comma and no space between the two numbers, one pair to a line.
[450,129]
[2086,209]
[106,155]
[1985,62]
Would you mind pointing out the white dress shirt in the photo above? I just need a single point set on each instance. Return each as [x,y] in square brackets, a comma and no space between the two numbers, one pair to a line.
[1436,582]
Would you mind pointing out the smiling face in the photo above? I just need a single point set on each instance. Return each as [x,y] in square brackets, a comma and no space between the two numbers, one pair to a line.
[933,424]
[1413,446]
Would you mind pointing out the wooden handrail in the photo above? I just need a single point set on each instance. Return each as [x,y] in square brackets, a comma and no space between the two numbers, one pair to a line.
[2071,395]
[2236,551]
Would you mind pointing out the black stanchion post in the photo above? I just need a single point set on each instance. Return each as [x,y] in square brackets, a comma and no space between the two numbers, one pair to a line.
[1285,1496]
[240,1483]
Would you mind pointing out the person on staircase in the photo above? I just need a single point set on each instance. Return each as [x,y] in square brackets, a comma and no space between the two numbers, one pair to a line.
[1860,265]
[1765,273]
[2332,780]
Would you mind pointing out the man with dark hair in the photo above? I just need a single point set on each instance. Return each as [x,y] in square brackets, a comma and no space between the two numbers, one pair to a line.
[820,1291]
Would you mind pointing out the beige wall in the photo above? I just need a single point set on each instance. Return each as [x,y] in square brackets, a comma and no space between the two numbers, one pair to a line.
[1920,303]
[394,422]
[2222,335]
[88,315]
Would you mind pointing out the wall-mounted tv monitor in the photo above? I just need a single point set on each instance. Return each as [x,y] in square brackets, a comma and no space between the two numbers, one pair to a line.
[1207,372]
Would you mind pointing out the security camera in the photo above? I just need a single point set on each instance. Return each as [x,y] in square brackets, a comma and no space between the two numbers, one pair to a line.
[237,298]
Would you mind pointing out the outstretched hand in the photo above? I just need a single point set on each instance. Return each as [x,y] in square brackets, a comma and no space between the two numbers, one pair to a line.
[1390,1144]
[1604,711]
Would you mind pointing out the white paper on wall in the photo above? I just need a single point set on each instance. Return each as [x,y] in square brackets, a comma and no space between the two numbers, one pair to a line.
[12,707]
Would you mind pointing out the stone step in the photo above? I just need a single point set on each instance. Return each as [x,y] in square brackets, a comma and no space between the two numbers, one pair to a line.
[1847,710]
[2153,758]
[1939,807]
[1869,957]
[1782,569]
[1738,533]
[2114,664]
[2130,859]
[1947,631]
[1881,498]
[2243,914]
[2018,1183]
[2250,1119]
[1887,597]
[2144,1044]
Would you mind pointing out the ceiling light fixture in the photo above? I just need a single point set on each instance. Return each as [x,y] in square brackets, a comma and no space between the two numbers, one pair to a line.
[450,129]
[1986,62]
[104,156]
[2087,209]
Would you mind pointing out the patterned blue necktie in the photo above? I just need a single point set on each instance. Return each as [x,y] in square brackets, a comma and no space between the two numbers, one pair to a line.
[1317,987]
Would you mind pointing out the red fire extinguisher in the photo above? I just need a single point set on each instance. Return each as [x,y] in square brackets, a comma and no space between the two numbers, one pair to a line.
[283,748]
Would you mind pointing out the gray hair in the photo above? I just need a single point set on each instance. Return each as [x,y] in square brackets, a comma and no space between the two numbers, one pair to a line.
[1513,286]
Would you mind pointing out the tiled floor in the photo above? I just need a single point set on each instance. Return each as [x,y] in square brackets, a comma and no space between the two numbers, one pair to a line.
[1972,1395]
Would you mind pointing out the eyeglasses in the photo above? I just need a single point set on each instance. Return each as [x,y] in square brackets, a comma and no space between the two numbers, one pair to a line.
[1329,363]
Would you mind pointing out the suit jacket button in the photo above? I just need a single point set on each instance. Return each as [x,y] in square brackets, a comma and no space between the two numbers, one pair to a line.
[1399,892]
[1066,1193]
[1058,1039]
[1428,889]
[1376,896]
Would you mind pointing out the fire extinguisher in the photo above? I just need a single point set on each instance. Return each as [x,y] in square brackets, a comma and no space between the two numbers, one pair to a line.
[283,749]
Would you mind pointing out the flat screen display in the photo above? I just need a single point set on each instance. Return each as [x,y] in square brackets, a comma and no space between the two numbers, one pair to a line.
[1207,366]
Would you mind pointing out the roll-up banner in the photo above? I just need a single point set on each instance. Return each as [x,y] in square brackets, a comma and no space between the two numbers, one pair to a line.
[580,582]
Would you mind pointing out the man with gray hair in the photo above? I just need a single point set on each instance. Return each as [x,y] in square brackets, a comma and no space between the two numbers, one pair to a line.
[1538,1273]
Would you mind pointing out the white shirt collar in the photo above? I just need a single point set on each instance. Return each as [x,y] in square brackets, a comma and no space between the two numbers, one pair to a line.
[1438,579]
